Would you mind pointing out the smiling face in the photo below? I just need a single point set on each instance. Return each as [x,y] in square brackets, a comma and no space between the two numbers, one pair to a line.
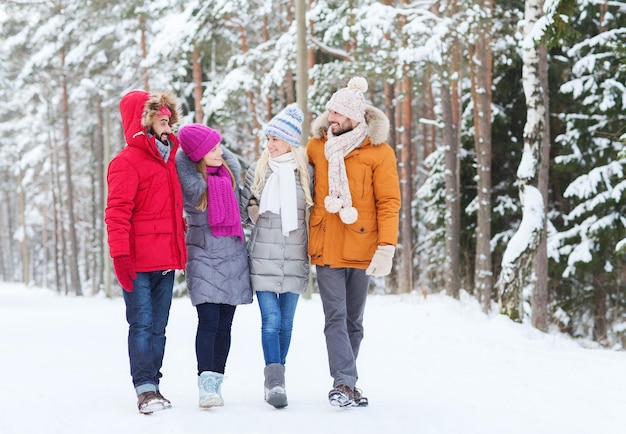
[277,147]
[340,124]
[214,157]
[162,129]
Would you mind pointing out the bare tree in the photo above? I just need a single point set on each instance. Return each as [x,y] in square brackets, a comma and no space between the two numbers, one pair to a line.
[196,68]
[520,252]
[539,301]
[451,114]
[302,74]
[65,114]
[480,68]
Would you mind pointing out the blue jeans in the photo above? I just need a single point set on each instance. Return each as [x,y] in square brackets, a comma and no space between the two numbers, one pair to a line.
[213,336]
[277,312]
[147,313]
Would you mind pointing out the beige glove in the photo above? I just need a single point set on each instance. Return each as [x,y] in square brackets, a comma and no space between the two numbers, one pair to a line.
[253,210]
[382,261]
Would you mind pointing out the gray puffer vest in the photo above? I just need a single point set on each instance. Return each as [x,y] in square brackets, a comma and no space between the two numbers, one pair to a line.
[278,263]
[217,267]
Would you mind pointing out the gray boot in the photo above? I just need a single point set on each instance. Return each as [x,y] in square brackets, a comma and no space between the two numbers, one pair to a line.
[275,393]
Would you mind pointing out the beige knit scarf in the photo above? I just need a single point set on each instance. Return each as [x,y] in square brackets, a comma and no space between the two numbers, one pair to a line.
[336,148]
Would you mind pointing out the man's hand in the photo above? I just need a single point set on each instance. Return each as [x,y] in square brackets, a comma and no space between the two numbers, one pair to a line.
[382,261]
[125,272]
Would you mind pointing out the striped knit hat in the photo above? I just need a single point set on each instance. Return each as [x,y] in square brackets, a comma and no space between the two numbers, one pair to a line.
[286,125]
[350,101]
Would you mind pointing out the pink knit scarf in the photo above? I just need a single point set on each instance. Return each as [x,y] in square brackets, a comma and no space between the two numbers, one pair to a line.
[222,207]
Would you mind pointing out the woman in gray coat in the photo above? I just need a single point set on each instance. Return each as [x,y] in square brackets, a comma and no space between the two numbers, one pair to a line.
[217,273]
[275,198]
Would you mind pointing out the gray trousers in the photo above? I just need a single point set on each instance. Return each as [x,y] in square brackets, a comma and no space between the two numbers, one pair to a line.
[343,292]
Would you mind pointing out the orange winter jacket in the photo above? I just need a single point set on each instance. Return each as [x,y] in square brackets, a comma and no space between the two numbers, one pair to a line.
[375,190]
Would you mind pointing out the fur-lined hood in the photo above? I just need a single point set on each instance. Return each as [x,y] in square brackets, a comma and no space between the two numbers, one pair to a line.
[139,108]
[377,125]
[155,102]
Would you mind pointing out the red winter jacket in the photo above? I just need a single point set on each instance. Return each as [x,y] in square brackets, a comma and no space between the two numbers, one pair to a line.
[144,213]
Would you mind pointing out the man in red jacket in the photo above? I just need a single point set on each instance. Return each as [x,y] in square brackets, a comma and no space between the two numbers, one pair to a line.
[146,233]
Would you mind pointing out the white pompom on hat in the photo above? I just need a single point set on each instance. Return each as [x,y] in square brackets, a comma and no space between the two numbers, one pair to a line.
[350,100]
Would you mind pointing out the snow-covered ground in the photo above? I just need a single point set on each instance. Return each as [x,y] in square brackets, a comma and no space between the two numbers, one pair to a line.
[433,365]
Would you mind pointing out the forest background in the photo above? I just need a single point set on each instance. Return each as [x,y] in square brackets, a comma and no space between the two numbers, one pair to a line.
[508,119]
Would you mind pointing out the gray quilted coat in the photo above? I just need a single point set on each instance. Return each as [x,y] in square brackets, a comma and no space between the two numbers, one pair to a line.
[217,267]
[277,263]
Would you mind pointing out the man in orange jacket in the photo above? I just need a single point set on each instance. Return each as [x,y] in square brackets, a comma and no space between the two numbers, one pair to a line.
[353,224]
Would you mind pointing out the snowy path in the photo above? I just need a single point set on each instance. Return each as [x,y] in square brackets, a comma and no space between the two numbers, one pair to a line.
[431,365]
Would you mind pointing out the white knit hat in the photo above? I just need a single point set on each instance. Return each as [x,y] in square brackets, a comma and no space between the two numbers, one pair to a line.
[350,101]
[286,125]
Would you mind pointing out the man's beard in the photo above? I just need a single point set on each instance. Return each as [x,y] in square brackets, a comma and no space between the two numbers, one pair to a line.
[342,130]
[164,138]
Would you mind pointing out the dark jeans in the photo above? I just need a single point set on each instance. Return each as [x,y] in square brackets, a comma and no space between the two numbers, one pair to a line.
[277,312]
[213,336]
[343,292]
[147,313]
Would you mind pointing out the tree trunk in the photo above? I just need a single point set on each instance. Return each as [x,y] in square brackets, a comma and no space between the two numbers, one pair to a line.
[451,115]
[100,202]
[480,68]
[302,74]
[256,125]
[56,257]
[144,52]
[600,326]
[539,302]
[519,255]
[197,84]
[405,278]
[24,241]
[65,114]
[429,138]
[106,156]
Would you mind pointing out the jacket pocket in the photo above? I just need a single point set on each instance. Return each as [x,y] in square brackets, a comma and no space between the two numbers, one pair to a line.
[149,227]
[316,236]
[361,238]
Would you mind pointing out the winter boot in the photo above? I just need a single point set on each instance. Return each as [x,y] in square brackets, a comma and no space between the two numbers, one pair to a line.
[148,402]
[341,396]
[275,393]
[359,399]
[210,388]
[166,402]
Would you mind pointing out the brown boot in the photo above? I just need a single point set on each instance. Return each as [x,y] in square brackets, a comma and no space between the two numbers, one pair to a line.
[149,402]
[166,402]
[341,396]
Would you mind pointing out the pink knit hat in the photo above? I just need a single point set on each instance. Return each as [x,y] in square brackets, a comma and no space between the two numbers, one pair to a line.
[350,101]
[197,140]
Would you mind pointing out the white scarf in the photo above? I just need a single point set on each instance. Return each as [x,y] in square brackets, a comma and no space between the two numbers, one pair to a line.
[336,148]
[279,192]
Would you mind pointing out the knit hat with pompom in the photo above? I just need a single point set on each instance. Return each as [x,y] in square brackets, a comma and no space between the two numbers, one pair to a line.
[196,140]
[350,101]
[286,125]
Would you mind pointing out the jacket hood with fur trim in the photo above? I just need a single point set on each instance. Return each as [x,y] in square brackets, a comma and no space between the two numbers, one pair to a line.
[154,103]
[139,108]
[377,125]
